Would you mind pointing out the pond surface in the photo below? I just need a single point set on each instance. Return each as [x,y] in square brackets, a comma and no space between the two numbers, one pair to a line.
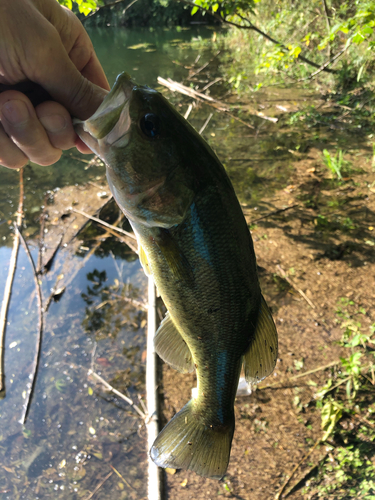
[78,438]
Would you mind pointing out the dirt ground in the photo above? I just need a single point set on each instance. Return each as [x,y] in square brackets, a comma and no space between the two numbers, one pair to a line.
[326,257]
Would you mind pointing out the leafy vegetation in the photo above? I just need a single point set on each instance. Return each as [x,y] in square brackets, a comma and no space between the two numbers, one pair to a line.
[84,6]
[347,412]
[295,31]
[334,163]
[130,13]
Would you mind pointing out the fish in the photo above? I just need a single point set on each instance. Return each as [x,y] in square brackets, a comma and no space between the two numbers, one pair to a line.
[194,241]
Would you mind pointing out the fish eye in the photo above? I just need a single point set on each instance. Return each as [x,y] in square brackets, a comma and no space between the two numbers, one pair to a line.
[151,125]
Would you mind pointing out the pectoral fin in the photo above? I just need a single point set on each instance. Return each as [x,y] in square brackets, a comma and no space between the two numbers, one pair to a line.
[174,256]
[144,262]
[172,348]
[260,358]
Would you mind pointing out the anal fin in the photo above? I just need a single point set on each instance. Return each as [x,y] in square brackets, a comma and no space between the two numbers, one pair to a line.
[260,358]
[172,348]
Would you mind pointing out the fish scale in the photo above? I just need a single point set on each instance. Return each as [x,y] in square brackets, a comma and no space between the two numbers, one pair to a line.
[228,330]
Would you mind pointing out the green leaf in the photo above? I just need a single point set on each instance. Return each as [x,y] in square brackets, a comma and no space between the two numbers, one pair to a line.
[194,10]
[358,38]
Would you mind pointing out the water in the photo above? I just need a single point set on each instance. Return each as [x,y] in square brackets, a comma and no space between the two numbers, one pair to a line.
[76,432]
[79,437]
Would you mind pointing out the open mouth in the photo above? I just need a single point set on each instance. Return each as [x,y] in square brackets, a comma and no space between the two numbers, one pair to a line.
[110,123]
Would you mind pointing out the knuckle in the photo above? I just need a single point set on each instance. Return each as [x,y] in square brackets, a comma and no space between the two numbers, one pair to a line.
[82,94]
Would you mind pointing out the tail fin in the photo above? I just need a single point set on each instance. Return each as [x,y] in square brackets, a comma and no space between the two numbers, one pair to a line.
[186,442]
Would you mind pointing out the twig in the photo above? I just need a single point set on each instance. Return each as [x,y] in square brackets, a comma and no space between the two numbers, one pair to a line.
[273,213]
[324,66]
[204,66]
[119,272]
[96,185]
[182,89]
[188,111]
[211,83]
[142,403]
[122,478]
[32,376]
[314,370]
[326,13]
[258,159]
[134,302]
[48,264]
[100,221]
[98,486]
[124,239]
[303,295]
[300,375]
[84,260]
[118,393]
[299,483]
[206,123]
[208,100]
[42,220]
[281,490]
[9,282]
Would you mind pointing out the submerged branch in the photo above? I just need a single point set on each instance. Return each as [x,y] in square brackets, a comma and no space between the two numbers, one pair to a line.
[205,123]
[9,282]
[103,223]
[32,376]
[199,96]
[98,486]
[118,393]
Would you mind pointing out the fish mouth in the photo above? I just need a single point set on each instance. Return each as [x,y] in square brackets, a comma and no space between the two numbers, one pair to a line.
[110,123]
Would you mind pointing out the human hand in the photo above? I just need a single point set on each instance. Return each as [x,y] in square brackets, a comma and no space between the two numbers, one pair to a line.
[45,43]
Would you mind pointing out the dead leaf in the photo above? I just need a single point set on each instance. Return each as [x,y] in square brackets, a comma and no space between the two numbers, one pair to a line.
[171,471]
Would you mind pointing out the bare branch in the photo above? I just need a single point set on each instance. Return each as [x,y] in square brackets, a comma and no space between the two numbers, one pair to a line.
[323,66]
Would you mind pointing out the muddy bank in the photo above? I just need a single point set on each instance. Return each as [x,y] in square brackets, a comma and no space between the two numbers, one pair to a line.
[324,243]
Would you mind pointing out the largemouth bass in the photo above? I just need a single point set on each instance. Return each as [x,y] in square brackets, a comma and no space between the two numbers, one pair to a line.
[194,241]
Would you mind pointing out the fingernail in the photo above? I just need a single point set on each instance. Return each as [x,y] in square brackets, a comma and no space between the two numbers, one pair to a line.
[16,112]
[53,123]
